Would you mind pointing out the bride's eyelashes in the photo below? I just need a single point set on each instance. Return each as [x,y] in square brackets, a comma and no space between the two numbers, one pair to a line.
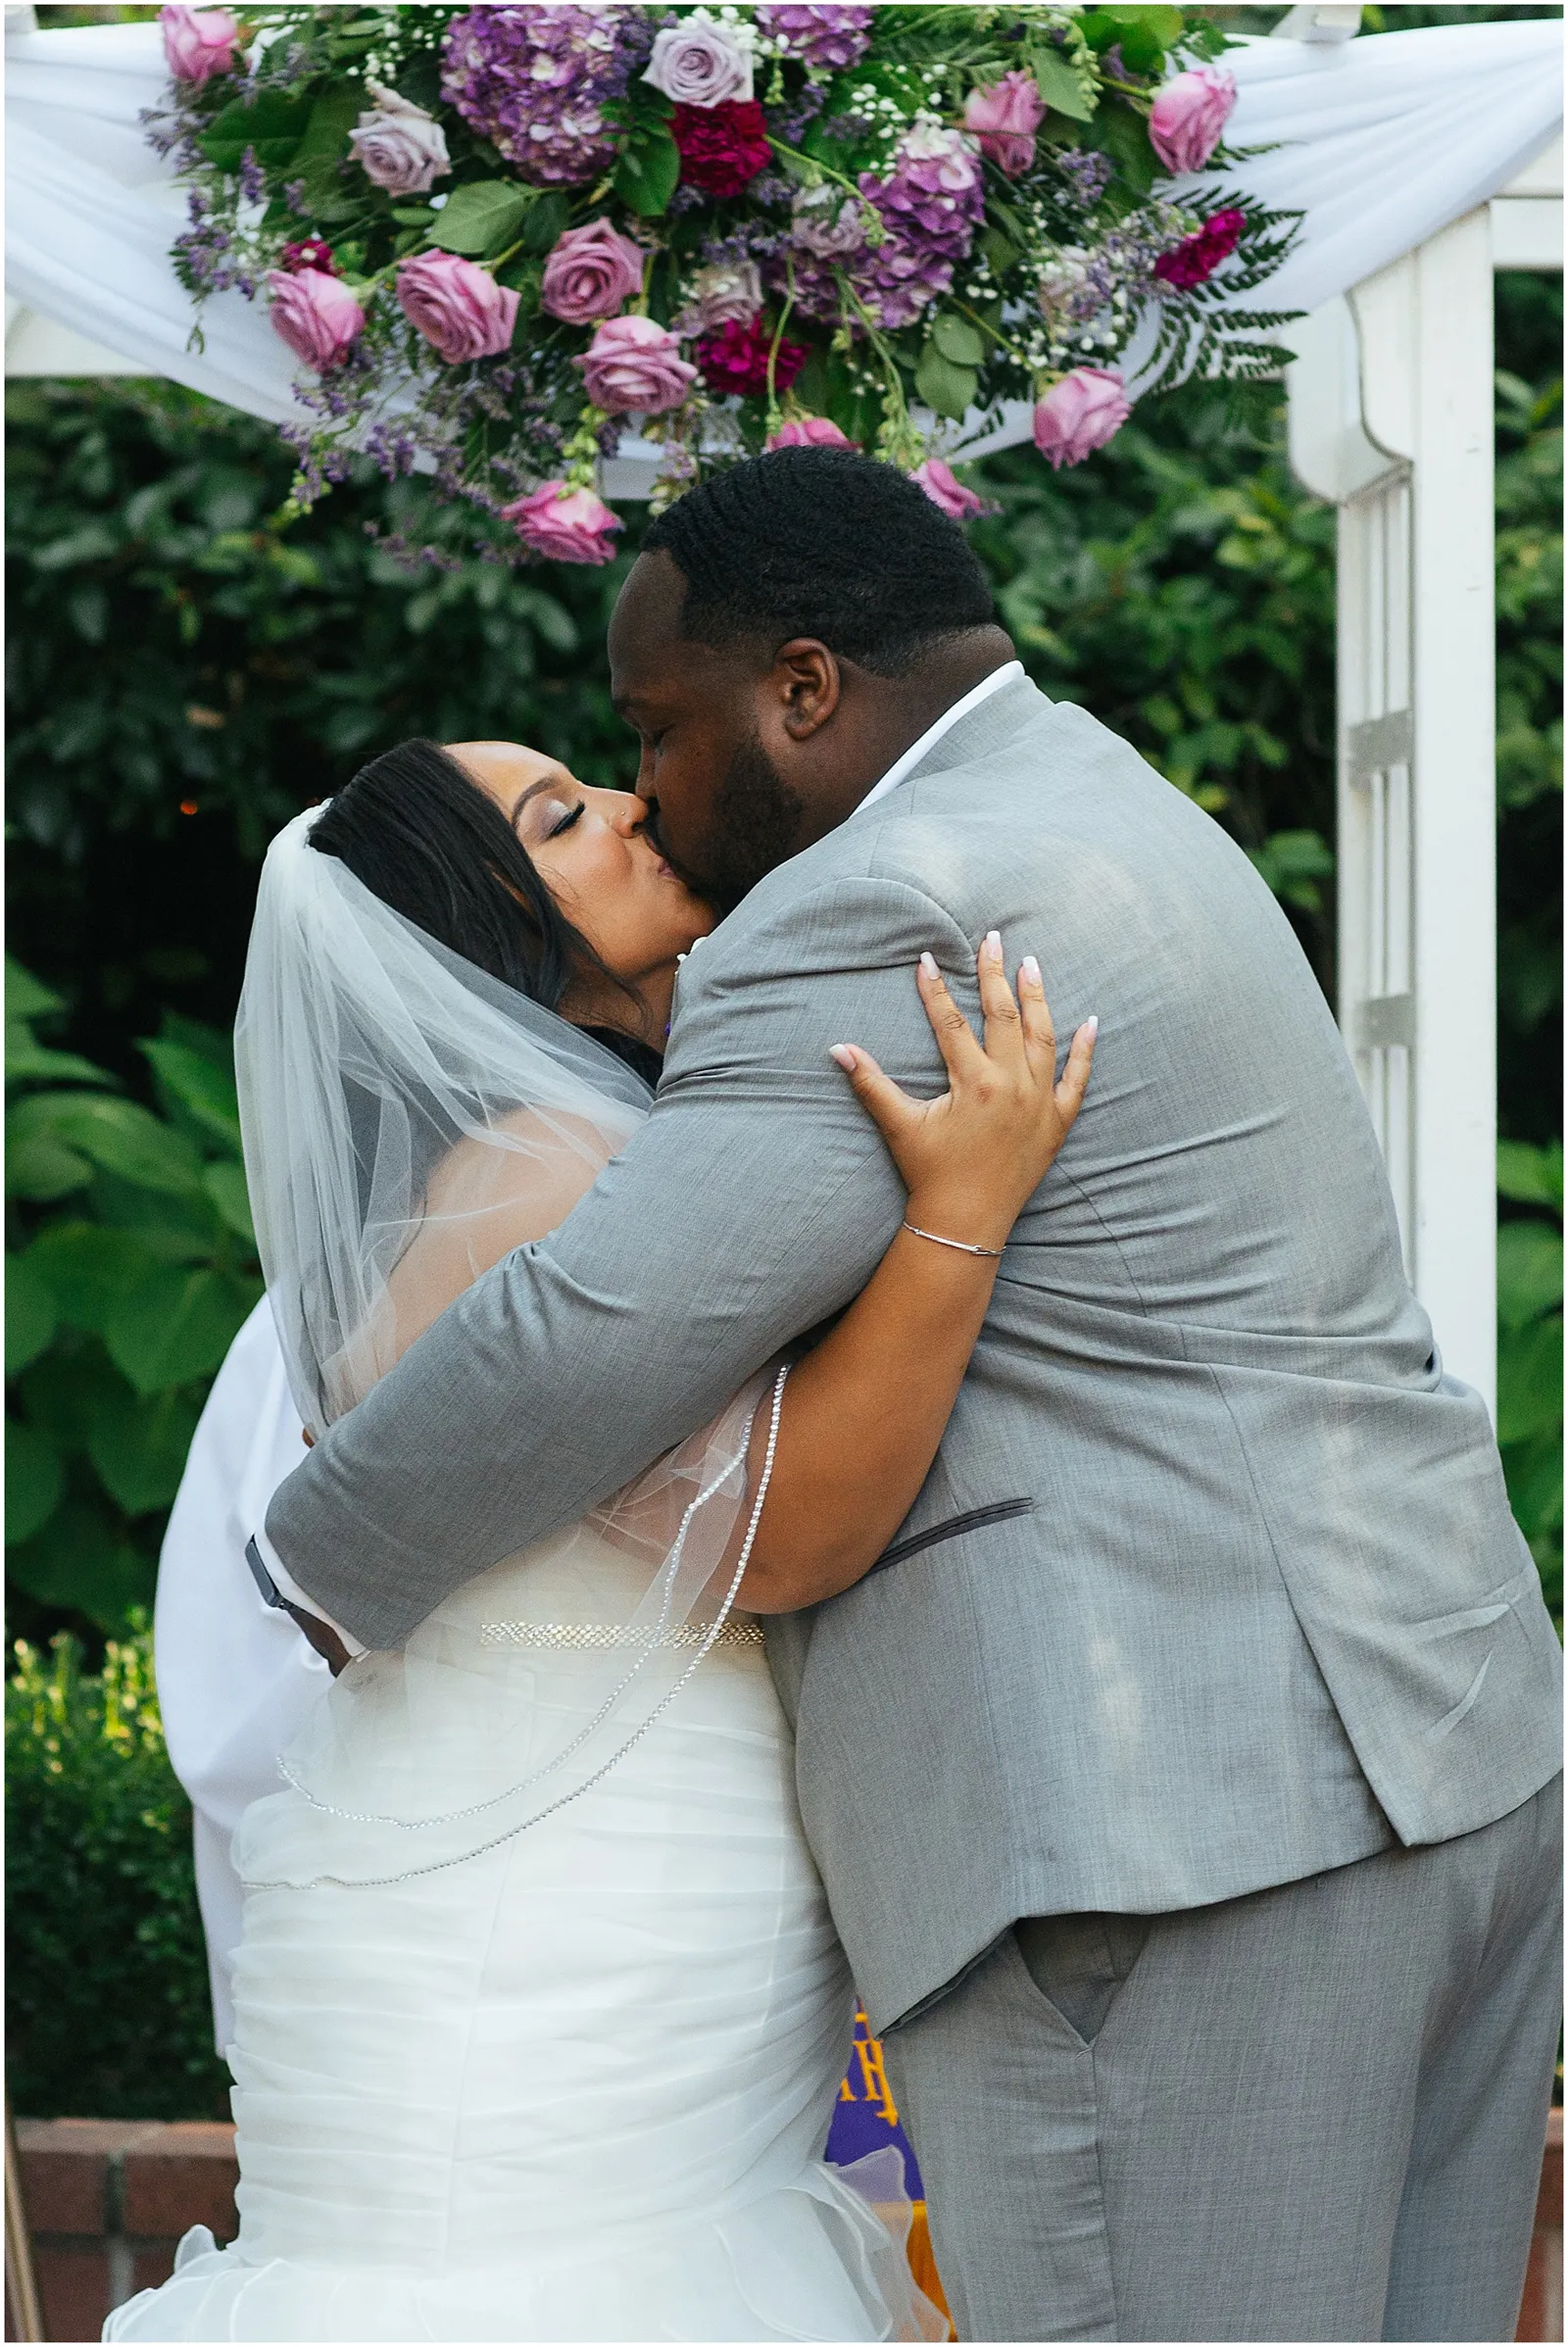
[565,822]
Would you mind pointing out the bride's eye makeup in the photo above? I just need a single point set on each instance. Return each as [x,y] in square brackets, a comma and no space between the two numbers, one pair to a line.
[562,819]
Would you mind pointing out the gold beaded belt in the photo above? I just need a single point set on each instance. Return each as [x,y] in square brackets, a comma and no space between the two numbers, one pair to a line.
[599,1636]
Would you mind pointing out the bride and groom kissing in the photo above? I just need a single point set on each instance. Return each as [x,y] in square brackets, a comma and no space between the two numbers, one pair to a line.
[883,1505]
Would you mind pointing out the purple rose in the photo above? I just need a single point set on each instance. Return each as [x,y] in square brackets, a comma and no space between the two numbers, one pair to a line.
[827,223]
[198,43]
[1005,119]
[590,272]
[316,315]
[951,494]
[456,306]
[825,39]
[565,524]
[700,63]
[1080,413]
[1188,116]
[401,147]
[719,292]
[812,431]
[634,364]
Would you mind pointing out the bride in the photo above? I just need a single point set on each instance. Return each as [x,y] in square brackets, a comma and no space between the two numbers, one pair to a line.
[540,2010]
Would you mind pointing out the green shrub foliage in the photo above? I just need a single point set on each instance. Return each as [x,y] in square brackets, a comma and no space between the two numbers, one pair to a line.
[107,2001]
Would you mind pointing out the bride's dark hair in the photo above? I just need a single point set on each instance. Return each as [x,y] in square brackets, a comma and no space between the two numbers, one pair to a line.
[424,838]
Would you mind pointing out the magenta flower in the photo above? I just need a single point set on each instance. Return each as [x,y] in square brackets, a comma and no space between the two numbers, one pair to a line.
[735,359]
[456,306]
[1005,119]
[634,364]
[316,315]
[824,39]
[812,431]
[951,494]
[1188,116]
[565,524]
[199,42]
[310,252]
[1080,413]
[723,148]
[1196,258]
[590,272]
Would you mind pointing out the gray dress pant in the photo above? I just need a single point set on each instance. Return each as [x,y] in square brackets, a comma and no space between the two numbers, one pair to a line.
[1313,2112]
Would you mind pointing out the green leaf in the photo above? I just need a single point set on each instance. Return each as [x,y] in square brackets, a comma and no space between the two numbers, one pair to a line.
[34,1481]
[649,172]
[1123,136]
[32,1315]
[120,1136]
[174,1325]
[1061,88]
[547,221]
[227,1187]
[28,1061]
[272,124]
[1532,1177]
[1529,1381]
[1529,1272]
[946,388]
[958,340]
[88,1269]
[139,1448]
[39,1167]
[79,1560]
[333,117]
[208,1092]
[481,218]
[27,997]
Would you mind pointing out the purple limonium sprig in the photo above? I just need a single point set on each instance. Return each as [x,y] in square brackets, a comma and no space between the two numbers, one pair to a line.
[1087,171]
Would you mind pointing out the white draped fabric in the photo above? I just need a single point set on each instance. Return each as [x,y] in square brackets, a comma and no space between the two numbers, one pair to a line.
[1381,142]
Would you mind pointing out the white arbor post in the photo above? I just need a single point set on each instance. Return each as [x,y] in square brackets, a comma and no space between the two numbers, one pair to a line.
[1392,417]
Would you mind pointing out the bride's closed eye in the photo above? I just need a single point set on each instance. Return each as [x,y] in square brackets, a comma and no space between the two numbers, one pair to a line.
[560,819]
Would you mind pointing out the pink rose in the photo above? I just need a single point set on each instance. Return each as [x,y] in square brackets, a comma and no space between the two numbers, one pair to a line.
[565,524]
[700,63]
[720,291]
[198,43]
[1080,413]
[1188,116]
[316,315]
[938,484]
[1005,119]
[631,363]
[812,431]
[401,147]
[458,306]
[590,272]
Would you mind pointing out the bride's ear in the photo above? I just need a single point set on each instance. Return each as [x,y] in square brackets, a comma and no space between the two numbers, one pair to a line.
[806,679]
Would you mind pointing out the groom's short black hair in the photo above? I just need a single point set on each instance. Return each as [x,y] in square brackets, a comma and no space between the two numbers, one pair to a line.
[822,542]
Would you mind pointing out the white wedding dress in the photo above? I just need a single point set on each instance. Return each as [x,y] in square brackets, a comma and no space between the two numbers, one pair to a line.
[576,2086]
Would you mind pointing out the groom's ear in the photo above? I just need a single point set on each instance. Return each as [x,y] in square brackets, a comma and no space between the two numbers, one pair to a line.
[806,684]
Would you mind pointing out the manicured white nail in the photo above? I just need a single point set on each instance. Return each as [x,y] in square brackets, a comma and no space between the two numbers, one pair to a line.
[992,944]
[1030,969]
[928,964]
[842,1052]
[1090,1026]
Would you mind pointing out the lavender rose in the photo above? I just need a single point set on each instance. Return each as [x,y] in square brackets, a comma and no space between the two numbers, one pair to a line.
[565,524]
[700,63]
[401,147]
[316,315]
[812,431]
[946,492]
[1005,119]
[1188,116]
[456,306]
[632,363]
[198,43]
[719,292]
[590,272]
[827,223]
[1080,413]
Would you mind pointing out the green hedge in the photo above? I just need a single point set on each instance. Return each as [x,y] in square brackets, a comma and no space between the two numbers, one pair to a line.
[107,2000]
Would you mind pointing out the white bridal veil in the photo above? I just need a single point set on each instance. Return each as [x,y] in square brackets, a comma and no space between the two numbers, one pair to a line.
[408,1120]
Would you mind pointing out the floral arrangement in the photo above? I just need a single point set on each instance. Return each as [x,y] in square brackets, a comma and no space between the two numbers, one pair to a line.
[495,234]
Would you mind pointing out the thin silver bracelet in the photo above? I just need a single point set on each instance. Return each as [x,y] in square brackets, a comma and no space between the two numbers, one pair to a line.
[962,1244]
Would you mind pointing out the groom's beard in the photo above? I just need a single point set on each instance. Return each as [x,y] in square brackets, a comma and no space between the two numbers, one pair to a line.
[756,823]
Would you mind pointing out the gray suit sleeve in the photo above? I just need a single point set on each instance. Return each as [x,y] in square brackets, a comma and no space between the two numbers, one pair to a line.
[755,1202]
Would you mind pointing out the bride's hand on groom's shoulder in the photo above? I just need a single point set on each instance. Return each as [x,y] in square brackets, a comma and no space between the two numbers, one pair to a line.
[972,1157]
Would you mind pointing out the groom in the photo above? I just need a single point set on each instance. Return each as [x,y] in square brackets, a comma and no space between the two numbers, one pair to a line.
[1184,1778]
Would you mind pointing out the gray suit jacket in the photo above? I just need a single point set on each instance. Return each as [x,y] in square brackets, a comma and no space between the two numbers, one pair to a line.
[1214,1582]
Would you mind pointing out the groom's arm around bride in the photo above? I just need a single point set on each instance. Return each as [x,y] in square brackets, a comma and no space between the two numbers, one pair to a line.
[1177,1779]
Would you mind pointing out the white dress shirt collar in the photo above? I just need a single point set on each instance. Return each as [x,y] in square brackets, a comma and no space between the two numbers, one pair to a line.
[1009,673]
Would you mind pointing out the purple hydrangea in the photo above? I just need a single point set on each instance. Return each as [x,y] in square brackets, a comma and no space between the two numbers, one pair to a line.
[823,39]
[533,80]
[931,207]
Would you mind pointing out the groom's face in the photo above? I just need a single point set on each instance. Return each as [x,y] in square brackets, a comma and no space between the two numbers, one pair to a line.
[721,731]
